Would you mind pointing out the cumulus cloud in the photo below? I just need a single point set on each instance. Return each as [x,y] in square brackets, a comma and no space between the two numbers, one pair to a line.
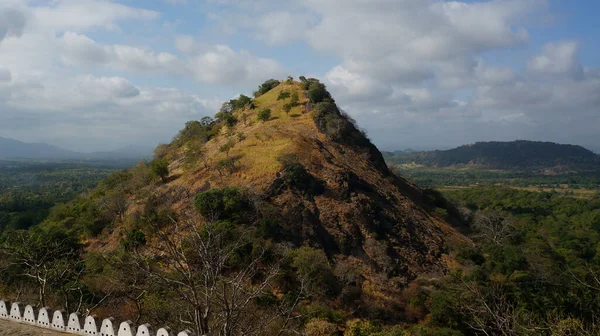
[64,15]
[12,23]
[215,64]
[101,112]
[558,58]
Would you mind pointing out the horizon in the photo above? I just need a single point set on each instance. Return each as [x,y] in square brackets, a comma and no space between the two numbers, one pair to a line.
[148,149]
[98,75]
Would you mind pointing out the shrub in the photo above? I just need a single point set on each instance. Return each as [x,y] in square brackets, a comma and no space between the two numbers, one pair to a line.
[226,118]
[264,115]
[317,93]
[225,204]
[283,95]
[361,328]
[295,176]
[241,102]
[312,266]
[266,87]
[133,240]
[320,327]
[287,108]
[295,98]
[160,168]
[225,165]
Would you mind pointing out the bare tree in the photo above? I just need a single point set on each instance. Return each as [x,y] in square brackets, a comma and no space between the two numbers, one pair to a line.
[45,258]
[494,226]
[488,310]
[220,295]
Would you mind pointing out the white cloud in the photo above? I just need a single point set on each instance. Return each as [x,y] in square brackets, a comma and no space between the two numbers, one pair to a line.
[558,58]
[12,23]
[61,15]
[5,75]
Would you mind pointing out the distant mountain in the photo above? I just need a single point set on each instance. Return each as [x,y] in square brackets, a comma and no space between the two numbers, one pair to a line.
[530,155]
[14,149]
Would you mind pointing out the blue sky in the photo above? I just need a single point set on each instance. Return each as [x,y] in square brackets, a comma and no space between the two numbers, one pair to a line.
[98,75]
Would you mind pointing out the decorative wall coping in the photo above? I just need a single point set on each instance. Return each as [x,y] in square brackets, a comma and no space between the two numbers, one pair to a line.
[75,324]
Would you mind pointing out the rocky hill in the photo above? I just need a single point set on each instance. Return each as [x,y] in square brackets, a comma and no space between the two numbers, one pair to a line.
[329,186]
[526,155]
[299,173]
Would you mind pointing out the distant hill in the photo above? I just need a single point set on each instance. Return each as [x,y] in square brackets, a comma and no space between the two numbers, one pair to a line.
[521,154]
[14,149]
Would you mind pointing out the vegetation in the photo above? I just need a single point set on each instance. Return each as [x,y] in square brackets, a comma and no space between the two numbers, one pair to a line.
[264,115]
[160,168]
[266,87]
[29,189]
[273,258]
[522,155]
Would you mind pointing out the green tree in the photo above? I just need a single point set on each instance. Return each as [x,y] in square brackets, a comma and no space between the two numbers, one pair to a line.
[264,115]
[283,95]
[160,168]
[266,87]
[295,98]
[227,147]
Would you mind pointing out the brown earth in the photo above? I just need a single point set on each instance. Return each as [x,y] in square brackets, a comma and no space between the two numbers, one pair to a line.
[8,328]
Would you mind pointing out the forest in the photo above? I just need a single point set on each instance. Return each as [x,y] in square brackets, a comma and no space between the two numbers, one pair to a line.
[29,189]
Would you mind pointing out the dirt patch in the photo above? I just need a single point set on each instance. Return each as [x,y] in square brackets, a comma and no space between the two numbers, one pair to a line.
[8,328]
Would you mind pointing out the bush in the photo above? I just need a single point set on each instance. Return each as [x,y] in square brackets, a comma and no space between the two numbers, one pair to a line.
[241,102]
[224,204]
[283,95]
[317,93]
[361,328]
[312,266]
[225,165]
[133,240]
[295,98]
[160,168]
[264,115]
[321,327]
[266,87]
[295,176]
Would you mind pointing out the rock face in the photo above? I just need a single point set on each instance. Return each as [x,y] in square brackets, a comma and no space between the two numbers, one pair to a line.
[320,178]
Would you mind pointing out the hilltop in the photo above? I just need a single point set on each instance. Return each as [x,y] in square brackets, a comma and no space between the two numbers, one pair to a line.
[523,155]
[325,183]
[285,171]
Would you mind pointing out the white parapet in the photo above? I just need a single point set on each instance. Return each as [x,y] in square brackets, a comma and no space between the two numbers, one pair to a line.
[90,327]
[74,324]
[4,307]
[107,328]
[16,312]
[144,330]
[43,319]
[166,331]
[126,329]
[58,320]
[29,315]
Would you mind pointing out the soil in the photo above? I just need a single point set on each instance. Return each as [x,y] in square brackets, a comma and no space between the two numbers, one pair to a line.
[9,328]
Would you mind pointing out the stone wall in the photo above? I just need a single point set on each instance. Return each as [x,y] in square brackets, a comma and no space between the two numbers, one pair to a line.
[76,324]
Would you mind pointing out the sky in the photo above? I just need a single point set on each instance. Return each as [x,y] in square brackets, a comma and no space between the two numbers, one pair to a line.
[90,75]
